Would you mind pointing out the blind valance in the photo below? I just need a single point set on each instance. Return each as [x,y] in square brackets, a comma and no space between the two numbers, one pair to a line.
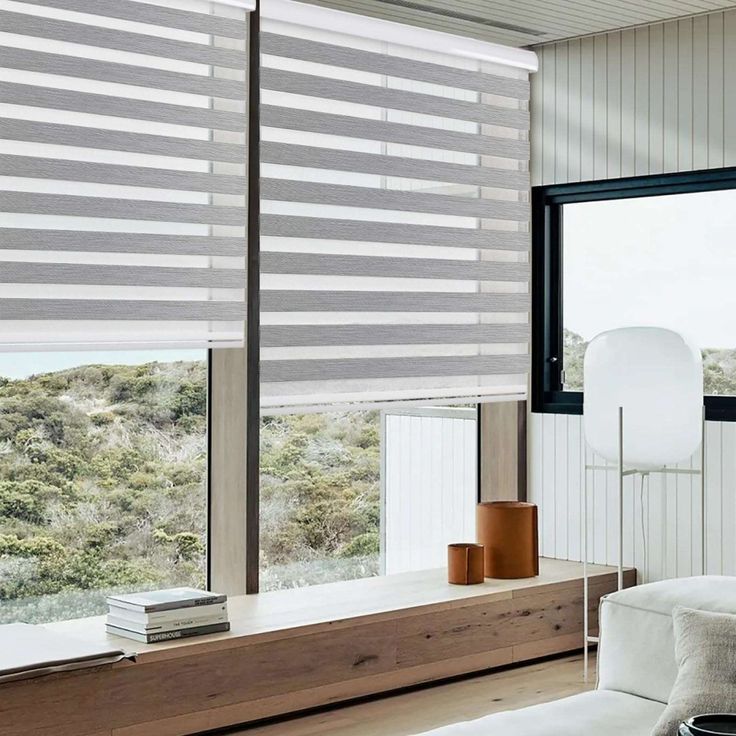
[122,173]
[395,213]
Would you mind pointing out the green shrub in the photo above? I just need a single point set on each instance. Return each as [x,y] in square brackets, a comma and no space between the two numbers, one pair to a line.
[25,500]
[102,418]
[364,545]
[60,462]
[187,546]
[39,546]
[190,399]
[184,474]
[98,536]
[116,464]
[131,384]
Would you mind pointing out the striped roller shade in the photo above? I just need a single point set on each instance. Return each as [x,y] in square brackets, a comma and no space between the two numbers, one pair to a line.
[122,173]
[395,213]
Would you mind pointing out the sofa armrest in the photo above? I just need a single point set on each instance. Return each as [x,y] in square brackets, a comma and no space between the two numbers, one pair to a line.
[636,652]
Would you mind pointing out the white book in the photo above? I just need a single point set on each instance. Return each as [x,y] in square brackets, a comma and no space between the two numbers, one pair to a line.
[166,600]
[160,617]
[154,636]
[182,622]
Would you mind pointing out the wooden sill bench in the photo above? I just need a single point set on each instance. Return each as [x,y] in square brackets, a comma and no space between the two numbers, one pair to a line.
[296,649]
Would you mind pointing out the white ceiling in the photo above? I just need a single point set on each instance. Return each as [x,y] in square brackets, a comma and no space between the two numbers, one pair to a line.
[526,22]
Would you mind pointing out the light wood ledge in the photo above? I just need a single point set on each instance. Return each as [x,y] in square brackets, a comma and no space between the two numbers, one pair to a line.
[295,649]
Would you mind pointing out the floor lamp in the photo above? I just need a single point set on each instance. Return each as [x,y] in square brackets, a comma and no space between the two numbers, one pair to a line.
[643,414]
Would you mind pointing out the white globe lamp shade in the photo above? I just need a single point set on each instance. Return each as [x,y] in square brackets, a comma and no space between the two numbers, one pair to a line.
[657,377]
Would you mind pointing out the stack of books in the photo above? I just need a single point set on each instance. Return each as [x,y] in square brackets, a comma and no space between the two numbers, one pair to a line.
[161,615]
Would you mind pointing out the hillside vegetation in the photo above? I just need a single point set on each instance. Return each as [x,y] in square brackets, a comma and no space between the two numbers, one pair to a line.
[719,366]
[102,474]
[320,498]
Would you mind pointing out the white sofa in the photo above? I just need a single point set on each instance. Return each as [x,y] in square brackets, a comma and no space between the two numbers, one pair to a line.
[636,667]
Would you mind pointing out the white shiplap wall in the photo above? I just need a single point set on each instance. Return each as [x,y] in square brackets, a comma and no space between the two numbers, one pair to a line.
[662,534]
[649,100]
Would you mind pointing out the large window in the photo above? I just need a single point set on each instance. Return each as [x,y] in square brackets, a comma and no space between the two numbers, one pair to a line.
[102,478]
[348,495]
[394,269]
[653,251]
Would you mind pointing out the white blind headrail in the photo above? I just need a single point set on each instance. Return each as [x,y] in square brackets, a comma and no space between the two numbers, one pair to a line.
[395,214]
[122,173]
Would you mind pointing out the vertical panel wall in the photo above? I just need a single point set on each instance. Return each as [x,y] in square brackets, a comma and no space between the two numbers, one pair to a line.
[429,485]
[648,100]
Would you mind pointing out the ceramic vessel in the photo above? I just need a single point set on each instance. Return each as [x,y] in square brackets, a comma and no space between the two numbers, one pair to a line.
[718,724]
[508,532]
[465,563]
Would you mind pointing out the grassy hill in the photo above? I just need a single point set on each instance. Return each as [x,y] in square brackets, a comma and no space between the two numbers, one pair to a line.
[102,487]
[102,473]
[320,498]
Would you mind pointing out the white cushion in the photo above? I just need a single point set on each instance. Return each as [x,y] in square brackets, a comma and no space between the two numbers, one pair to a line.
[705,647]
[596,713]
[637,648]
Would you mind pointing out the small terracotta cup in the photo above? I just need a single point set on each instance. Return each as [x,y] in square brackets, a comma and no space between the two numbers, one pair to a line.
[465,563]
[508,531]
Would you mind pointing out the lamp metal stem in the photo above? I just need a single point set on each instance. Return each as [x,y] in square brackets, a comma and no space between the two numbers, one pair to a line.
[620,498]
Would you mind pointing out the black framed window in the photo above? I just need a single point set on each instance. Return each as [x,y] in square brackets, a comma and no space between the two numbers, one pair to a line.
[653,250]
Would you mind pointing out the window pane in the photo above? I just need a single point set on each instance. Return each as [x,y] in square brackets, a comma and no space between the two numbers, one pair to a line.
[102,478]
[665,261]
[349,495]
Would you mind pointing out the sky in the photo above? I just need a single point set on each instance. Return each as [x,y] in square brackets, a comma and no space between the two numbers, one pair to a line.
[22,365]
[667,261]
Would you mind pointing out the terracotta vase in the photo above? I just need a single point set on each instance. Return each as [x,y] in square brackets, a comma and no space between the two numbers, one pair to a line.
[465,564]
[508,532]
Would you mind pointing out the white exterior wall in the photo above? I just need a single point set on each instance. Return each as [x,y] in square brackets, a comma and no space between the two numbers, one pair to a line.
[428,486]
[650,100]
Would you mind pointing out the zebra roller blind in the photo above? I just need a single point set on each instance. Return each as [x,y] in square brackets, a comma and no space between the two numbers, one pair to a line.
[122,173]
[394,215]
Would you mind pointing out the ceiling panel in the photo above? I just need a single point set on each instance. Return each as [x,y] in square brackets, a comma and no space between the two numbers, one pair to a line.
[527,22]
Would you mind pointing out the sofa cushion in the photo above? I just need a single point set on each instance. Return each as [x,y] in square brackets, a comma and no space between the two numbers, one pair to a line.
[705,647]
[637,648]
[596,713]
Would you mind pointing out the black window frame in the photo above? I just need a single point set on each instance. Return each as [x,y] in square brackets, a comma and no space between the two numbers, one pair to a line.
[547,287]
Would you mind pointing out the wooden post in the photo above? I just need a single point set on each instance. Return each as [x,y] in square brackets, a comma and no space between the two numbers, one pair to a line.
[233,406]
[227,462]
[502,451]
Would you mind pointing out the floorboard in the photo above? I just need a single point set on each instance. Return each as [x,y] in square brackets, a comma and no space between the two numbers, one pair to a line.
[413,712]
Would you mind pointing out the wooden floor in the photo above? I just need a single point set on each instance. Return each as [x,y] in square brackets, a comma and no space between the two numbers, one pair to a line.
[421,710]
